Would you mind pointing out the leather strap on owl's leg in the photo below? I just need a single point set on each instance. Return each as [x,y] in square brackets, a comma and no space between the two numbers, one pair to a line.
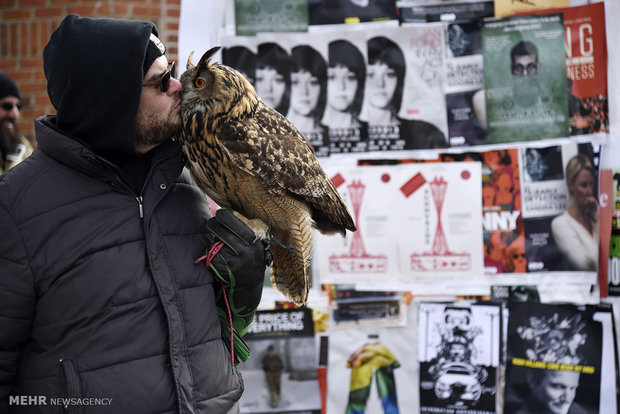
[288,248]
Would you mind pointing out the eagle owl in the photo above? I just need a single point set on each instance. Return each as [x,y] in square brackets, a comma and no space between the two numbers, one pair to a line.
[248,157]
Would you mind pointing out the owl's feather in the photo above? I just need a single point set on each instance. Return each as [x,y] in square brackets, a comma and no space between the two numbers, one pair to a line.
[248,157]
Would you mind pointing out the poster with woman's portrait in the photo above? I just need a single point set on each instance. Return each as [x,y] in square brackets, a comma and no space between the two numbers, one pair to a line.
[560,207]
[404,102]
[308,86]
[346,78]
[240,52]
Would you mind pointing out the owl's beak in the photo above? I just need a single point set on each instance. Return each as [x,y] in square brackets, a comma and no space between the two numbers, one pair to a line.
[190,62]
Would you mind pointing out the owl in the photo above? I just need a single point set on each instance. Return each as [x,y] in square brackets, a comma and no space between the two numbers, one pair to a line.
[249,158]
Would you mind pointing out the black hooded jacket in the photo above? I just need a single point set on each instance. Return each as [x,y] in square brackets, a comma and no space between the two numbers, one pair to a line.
[100,299]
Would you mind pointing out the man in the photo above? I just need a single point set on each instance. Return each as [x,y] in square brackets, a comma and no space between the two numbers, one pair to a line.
[524,59]
[272,366]
[14,148]
[552,392]
[100,299]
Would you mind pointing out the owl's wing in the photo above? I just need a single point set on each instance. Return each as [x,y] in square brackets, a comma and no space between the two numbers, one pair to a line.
[270,148]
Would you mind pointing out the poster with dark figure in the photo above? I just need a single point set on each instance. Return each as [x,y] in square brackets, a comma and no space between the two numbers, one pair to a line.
[350,11]
[282,367]
[553,361]
[458,350]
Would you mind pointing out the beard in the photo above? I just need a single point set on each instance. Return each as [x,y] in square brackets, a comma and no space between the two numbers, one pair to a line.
[9,138]
[155,130]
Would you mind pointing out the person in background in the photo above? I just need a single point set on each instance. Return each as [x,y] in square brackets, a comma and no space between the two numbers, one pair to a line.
[103,294]
[14,147]
[273,366]
[576,231]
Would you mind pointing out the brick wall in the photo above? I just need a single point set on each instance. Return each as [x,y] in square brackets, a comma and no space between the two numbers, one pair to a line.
[26,25]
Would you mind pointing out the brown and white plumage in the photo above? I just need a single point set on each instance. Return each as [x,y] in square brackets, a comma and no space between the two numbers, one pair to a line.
[248,157]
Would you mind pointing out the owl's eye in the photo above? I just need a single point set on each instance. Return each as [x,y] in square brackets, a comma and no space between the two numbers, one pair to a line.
[199,83]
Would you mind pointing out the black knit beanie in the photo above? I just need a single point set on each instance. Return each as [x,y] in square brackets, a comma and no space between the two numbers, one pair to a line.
[154,50]
[8,87]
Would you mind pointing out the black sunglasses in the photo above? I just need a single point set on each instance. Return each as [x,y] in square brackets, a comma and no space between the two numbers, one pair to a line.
[164,82]
[8,106]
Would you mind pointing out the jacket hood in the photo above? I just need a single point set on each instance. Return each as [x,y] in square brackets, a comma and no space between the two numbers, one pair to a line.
[94,80]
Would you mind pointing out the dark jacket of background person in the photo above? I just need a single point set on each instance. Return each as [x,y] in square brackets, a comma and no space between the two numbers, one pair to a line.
[99,293]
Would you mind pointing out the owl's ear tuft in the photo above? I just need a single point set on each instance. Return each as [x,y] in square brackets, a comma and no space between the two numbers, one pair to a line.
[190,61]
[204,60]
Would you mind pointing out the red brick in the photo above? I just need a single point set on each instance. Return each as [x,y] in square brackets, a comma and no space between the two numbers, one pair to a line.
[17,14]
[44,31]
[18,75]
[23,39]
[41,100]
[32,63]
[172,26]
[32,87]
[7,64]
[14,39]
[5,4]
[49,12]
[82,10]
[4,39]
[32,3]
[146,11]
[173,12]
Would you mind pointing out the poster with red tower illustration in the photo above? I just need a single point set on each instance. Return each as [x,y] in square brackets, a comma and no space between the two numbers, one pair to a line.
[419,226]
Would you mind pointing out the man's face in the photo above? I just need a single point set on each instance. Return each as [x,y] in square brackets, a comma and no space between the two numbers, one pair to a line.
[525,65]
[9,131]
[158,117]
[557,390]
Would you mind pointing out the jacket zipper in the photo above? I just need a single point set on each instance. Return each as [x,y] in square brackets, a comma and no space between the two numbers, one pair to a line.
[140,205]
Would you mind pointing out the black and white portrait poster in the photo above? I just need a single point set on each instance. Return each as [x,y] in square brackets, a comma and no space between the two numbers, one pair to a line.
[308,85]
[240,52]
[283,364]
[459,351]
[404,102]
[346,77]
[553,359]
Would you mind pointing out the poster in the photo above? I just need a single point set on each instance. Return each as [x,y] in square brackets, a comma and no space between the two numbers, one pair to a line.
[464,81]
[555,180]
[404,102]
[346,79]
[355,308]
[458,350]
[418,225]
[372,370]
[553,344]
[254,16]
[350,11]
[614,243]
[509,7]
[525,78]
[586,67]
[283,364]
